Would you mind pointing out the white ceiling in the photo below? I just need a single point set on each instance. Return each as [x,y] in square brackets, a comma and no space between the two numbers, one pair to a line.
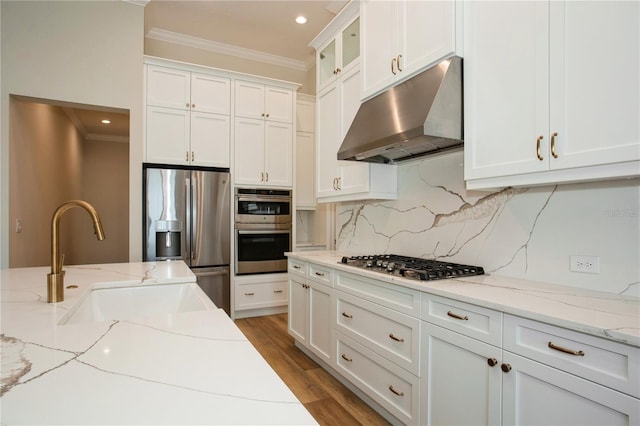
[261,25]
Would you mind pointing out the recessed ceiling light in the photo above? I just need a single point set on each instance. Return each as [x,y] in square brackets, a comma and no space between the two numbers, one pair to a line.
[301,19]
[105,121]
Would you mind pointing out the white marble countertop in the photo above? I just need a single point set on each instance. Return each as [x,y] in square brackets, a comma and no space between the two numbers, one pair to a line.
[187,368]
[601,314]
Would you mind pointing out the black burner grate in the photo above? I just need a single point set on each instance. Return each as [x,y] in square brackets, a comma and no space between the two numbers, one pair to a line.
[412,267]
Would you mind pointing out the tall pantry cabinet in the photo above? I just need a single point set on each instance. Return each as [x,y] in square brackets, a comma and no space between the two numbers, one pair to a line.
[339,96]
[551,92]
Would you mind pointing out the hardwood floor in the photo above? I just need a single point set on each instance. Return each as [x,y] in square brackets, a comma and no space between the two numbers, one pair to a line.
[328,400]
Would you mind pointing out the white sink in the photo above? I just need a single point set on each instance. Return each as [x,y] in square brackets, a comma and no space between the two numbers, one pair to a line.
[121,303]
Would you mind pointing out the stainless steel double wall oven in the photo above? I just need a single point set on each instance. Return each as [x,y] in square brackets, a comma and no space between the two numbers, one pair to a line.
[263,219]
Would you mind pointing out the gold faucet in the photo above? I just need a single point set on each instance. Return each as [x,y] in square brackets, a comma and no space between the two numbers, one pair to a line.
[55,280]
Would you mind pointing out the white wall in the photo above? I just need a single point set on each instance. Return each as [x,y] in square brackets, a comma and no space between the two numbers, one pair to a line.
[87,52]
[524,232]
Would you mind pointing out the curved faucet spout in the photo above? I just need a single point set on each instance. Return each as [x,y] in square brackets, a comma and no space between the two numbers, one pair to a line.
[55,280]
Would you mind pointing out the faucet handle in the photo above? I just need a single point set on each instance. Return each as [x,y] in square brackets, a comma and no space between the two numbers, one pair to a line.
[61,262]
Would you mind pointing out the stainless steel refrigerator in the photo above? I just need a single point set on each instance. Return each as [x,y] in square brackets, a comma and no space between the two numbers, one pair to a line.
[187,216]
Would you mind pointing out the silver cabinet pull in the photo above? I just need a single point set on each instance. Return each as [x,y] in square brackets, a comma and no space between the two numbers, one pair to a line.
[296,267]
[492,362]
[505,367]
[398,62]
[277,291]
[346,358]
[249,294]
[397,339]
[565,350]
[346,315]
[456,316]
[393,71]
[395,391]
[320,274]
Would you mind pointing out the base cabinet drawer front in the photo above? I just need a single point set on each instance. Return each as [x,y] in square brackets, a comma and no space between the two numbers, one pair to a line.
[391,334]
[321,274]
[262,295]
[398,298]
[297,267]
[536,394]
[611,364]
[471,320]
[461,379]
[389,385]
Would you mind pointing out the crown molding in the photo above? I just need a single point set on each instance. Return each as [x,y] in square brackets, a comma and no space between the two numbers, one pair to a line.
[225,49]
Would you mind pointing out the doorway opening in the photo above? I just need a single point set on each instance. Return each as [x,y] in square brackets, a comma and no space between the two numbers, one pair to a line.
[59,151]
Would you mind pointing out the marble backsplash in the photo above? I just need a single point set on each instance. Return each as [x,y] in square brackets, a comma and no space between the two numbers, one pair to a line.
[527,233]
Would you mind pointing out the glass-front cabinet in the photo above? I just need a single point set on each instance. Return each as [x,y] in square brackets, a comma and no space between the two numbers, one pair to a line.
[336,56]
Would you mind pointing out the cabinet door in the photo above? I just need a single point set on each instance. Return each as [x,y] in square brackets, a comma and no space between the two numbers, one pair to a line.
[459,386]
[210,94]
[327,63]
[210,139]
[595,101]
[278,154]
[328,133]
[249,100]
[305,171]
[278,104]
[380,44]
[506,87]
[168,87]
[249,151]
[167,136]
[320,324]
[298,308]
[536,394]
[428,29]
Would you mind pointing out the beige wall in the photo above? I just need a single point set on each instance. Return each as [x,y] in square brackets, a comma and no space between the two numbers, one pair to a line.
[88,52]
[163,49]
[50,163]
[45,170]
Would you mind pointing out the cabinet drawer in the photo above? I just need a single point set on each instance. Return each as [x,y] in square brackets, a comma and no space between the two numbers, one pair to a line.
[321,274]
[609,363]
[261,295]
[470,320]
[389,385]
[393,335]
[297,267]
[399,298]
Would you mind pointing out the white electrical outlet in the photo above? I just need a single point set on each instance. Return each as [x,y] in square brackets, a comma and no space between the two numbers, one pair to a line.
[588,264]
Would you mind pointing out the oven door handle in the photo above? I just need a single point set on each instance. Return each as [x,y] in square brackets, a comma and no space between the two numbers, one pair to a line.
[264,232]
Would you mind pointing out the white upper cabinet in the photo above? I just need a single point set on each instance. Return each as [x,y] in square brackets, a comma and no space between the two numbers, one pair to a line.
[263,134]
[338,55]
[187,118]
[551,92]
[259,101]
[401,38]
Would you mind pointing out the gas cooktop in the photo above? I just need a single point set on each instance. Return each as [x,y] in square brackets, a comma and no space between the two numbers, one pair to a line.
[411,267]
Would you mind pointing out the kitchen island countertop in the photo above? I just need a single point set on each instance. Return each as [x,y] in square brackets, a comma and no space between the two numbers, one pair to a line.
[187,368]
[607,315]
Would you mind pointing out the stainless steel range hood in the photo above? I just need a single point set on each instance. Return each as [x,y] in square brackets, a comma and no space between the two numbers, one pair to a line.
[421,116]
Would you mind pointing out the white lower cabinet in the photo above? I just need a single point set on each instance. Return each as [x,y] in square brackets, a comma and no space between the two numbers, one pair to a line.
[461,379]
[260,291]
[537,394]
[393,387]
[556,377]
[310,308]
